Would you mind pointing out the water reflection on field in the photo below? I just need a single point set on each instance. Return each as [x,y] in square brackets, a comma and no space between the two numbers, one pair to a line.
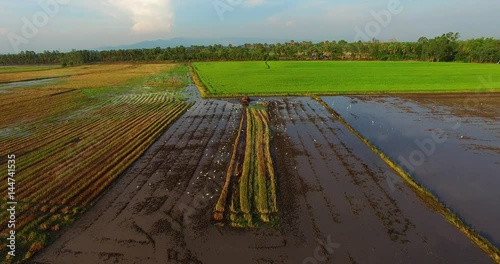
[449,143]
[25,84]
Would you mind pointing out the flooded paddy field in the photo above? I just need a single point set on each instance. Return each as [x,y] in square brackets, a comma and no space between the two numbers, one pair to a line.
[334,201]
[450,144]
[26,84]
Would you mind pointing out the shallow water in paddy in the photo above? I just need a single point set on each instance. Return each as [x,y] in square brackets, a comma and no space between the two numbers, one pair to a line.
[449,144]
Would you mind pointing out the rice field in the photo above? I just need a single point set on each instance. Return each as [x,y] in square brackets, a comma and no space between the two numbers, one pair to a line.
[170,177]
[74,138]
[224,79]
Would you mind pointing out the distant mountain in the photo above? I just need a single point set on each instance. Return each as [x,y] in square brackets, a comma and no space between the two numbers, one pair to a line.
[187,42]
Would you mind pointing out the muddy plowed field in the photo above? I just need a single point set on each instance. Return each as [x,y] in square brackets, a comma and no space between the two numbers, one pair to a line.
[338,202]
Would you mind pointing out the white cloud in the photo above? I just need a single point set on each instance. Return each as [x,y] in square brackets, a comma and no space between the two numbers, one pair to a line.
[148,16]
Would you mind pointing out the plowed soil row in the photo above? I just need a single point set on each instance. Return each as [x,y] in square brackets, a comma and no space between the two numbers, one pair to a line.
[339,202]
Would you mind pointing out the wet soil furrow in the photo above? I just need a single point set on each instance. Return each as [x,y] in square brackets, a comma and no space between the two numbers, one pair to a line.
[169,145]
[313,190]
[382,204]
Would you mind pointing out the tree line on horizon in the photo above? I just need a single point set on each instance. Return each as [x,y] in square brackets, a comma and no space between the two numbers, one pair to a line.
[444,48]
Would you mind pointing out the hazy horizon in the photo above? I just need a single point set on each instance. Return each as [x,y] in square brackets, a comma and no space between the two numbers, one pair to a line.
[69,24]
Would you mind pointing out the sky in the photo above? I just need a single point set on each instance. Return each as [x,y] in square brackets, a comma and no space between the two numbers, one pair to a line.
[40,25]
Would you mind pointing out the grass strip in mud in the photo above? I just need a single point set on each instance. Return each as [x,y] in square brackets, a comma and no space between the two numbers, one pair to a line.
[249,195]
[430,199]
[221,203]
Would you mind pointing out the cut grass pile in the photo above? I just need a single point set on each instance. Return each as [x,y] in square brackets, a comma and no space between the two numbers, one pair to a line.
[248,198]
[334,77]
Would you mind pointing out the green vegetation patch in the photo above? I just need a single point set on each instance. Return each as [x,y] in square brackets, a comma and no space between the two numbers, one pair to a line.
[341,77]
[248,198]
